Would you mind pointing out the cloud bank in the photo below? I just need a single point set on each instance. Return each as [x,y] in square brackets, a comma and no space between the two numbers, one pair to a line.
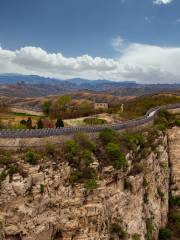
[140,62]
[159,2]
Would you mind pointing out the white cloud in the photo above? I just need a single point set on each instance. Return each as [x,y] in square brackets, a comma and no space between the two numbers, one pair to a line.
[159,2]
[140,62]
[118,43]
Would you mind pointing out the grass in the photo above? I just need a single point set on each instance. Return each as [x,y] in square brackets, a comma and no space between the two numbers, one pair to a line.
[141,105]
[21,114]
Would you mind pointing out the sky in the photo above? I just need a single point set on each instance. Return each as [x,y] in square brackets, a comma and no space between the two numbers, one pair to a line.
[119,40]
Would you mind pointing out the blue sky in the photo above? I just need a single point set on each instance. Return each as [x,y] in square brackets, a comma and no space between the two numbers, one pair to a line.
[91,38]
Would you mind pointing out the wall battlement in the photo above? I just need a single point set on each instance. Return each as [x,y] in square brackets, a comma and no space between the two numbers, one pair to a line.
[20,138]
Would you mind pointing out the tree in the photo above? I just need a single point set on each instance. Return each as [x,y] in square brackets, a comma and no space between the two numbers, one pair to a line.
[59,123]
[40,124]
[29,123]
[46,107]
[115,154]
[61,105]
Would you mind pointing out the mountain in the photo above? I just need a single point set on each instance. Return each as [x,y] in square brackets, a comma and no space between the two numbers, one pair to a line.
[32,86]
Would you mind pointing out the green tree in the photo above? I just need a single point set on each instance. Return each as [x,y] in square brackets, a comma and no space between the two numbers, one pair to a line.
[59,123]
[40,124]
[115,154]
[29,123]
[61,105]
[108,135]
[46,107]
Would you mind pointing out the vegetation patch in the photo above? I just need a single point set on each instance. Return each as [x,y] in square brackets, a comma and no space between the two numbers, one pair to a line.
[32,157]
[117,229]
[94,121]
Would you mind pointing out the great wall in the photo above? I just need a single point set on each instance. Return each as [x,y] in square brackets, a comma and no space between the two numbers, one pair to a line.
[37,137]
[48,132]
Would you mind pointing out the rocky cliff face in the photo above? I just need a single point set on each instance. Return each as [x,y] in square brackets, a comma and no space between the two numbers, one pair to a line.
[42,205]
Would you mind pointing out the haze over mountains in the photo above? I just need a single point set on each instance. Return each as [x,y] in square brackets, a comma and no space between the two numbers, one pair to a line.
[32,85]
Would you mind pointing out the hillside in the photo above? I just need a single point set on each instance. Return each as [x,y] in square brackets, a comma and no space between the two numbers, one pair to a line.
[35,86]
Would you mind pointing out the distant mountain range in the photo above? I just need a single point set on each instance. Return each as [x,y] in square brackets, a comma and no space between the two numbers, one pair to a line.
[32,85]
[33,79]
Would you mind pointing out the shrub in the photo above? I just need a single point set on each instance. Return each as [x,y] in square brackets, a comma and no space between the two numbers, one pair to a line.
[108,135]
[91,184]
[40,124]
[71,149]
[86,157]
[164,120]
[174,200]
[3,175]
[115,154]
[165,234]
[136,236]
[83,140]
[163,113]
[177,123]
[133,140]
[23,122]
[12,170]
[116,228]
[145,198]
[59,123]
[138,168]
[6,158]
[31,157]
[161,126]
[49,148]
[175,218]
[76,175]
[149,229]
[41,188]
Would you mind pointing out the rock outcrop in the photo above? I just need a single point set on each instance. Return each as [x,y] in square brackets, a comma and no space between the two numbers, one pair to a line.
[43,205]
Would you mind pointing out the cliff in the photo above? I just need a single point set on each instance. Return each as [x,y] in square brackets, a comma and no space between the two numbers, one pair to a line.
[39,203]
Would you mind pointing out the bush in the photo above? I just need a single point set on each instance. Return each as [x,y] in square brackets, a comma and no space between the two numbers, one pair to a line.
[49,148]
[145,198]
[116,228]
[174,200]
[164,120]
[91,184]
[6,158]
[59,123]
[71,149]
[149,229]
[133,140]
[75,176]
[165,234]
[177,122]
[86,157]
[161,126]
[115,154]
[31,157]
[108,135]
[138,168]
[136,236]
[84,141]
[175,218]
[3,175]
[41,188]
[40,124]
